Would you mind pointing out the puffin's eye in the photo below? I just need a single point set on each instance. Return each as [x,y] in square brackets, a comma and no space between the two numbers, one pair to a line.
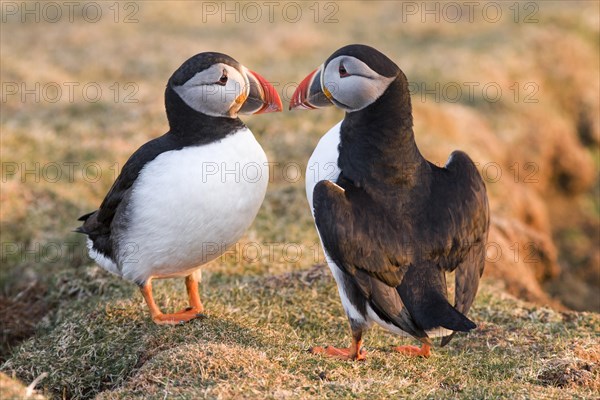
[343,72]
[222,80]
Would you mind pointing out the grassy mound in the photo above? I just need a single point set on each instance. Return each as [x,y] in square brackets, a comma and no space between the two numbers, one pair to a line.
[254,344]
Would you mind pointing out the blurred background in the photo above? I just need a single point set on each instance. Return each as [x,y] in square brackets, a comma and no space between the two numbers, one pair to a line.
[514,84]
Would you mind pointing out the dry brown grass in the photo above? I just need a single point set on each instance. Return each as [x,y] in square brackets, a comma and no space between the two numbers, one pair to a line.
[12,389]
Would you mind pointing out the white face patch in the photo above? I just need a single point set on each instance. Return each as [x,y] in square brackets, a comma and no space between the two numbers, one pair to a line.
[360,88]
[215,90]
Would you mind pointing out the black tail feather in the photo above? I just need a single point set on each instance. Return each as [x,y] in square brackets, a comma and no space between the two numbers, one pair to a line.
[85,216]
[423,293]
[433,311]
[446,316]
[446,339]
[79,230]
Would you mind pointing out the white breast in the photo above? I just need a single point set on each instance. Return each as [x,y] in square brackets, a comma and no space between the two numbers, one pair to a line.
[188,206]
[322,165]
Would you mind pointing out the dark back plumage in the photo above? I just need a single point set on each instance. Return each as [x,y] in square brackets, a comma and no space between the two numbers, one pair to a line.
[399,219]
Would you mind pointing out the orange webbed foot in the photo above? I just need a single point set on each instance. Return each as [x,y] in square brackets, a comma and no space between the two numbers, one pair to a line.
[197,310]
[176,318]
[347,353]
[414,351]
[187,314]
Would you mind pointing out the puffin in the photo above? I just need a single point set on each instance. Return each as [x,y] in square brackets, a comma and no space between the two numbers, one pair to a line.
[391,223]
[182,199]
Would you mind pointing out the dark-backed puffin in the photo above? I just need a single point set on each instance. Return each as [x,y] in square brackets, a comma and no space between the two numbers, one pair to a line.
[183,198]
[390,222]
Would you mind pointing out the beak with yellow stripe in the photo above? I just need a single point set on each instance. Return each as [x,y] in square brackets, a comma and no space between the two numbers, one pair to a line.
[352,78]
[311,93]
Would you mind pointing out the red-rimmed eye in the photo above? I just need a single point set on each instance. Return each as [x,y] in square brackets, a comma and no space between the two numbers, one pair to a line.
[222,81]
[343,72]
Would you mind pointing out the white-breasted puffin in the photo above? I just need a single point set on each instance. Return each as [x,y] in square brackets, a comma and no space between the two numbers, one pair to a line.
[183,198]
[391,223]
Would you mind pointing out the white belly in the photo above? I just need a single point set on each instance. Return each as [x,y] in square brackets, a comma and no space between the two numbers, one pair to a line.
[322,165]
[188,206]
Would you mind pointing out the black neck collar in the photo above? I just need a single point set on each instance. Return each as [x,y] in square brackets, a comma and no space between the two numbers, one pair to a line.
[377,144]
[187,123]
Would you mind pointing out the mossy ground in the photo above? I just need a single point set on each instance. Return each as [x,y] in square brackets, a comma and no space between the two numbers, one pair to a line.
[255,338]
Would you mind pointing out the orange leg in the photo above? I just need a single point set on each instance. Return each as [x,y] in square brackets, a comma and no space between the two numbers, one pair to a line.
[166,319]
[191,284]
[352,353]
[414,351]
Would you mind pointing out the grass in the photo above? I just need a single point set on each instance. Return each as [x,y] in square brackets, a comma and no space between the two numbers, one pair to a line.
[90,332]
[254,344]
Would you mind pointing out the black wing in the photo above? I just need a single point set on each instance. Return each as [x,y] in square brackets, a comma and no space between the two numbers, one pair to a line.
[437,235]
[361,243]
[357,236]
[99,222]
[468,213]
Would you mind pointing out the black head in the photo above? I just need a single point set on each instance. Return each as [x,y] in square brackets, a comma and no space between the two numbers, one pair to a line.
[199,63]
[216,85]
[352,78]
[372,57]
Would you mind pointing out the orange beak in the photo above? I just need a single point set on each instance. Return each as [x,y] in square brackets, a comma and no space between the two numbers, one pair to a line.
[263,98]
[310,94]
